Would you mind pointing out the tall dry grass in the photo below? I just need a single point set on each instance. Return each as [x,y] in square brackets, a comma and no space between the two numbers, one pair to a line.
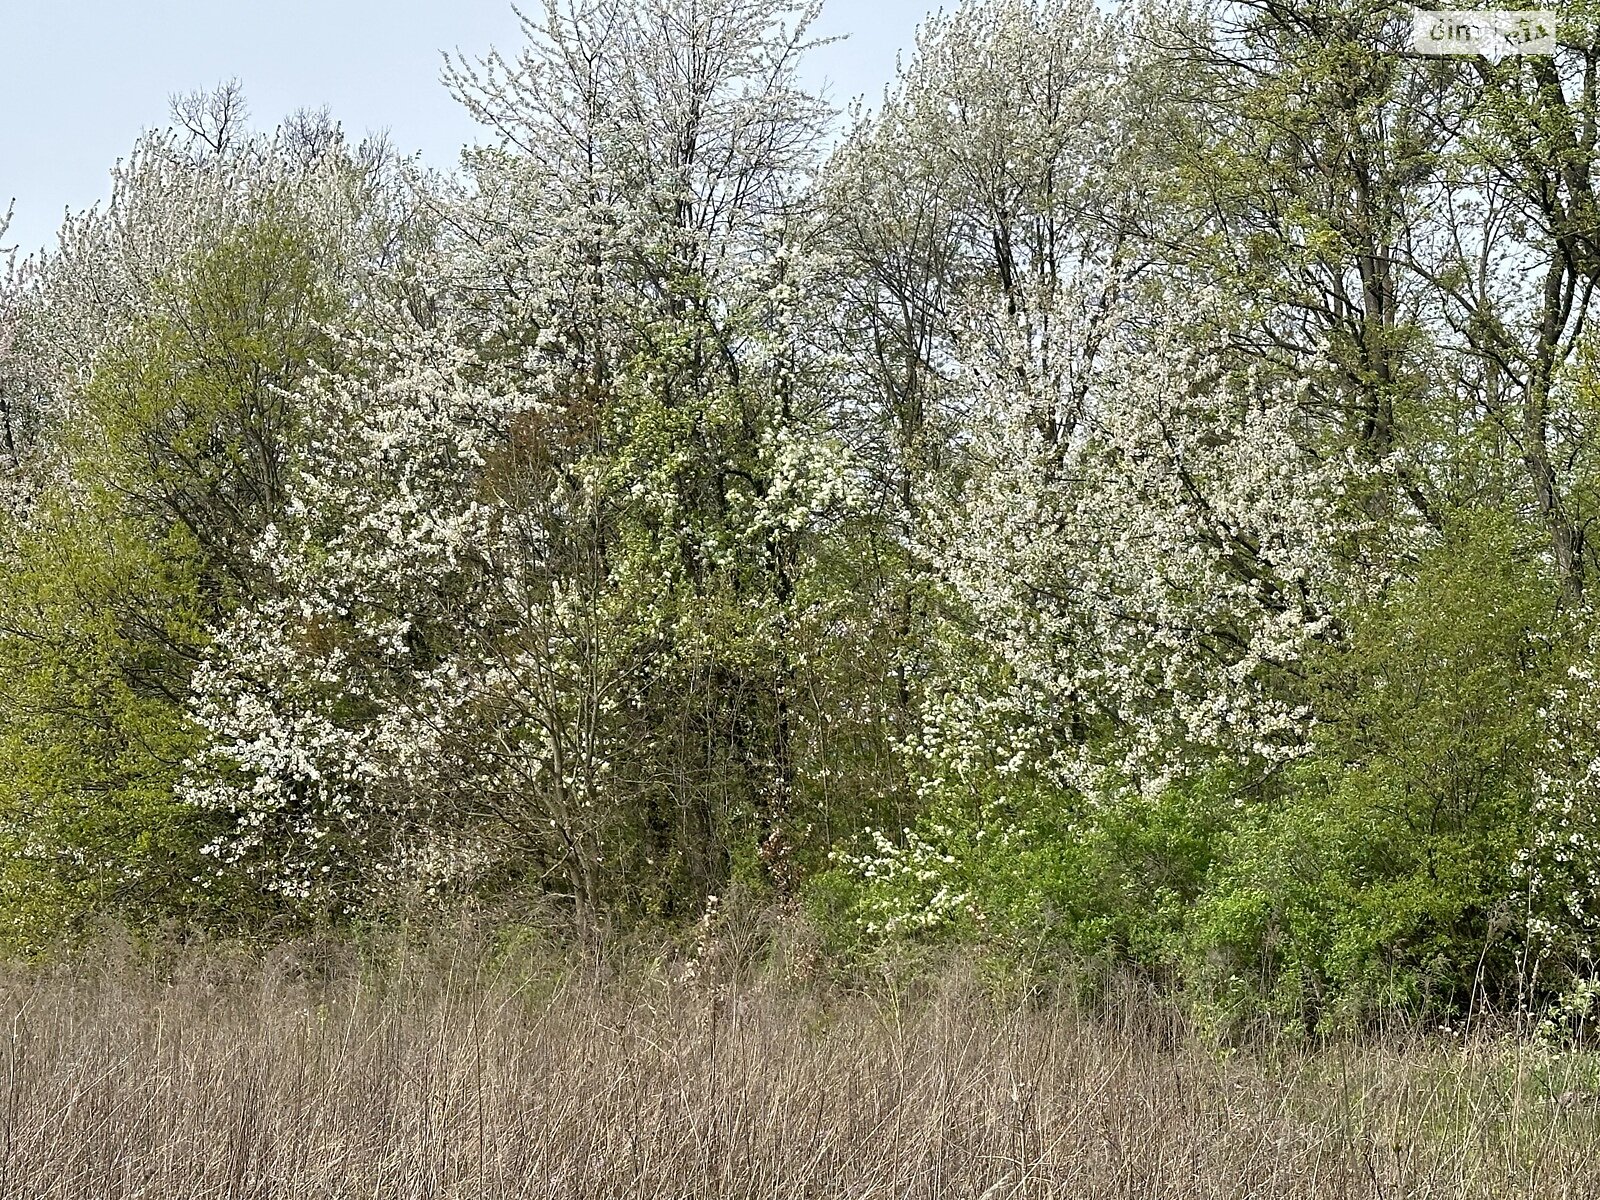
[451,1072]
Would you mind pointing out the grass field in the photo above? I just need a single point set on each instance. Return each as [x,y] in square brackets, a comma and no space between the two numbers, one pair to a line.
[449,1072]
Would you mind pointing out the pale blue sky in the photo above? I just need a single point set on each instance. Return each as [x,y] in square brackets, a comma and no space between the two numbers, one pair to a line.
[83,77]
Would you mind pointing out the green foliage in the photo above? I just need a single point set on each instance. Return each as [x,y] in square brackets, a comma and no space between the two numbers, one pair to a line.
[1378,872]
[1435,724]
[137,541]
[98,625]
[1040,873]
[186,420]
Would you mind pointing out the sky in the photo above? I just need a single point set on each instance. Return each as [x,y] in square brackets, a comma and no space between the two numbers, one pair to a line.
[82,79]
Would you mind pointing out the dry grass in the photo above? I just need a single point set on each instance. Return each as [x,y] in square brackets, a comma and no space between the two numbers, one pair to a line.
[462,1075]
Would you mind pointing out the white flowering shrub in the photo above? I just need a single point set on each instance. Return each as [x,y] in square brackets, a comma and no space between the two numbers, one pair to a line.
[912,886]
[1144,567]
[331,709]
[480,577]
[1557,873]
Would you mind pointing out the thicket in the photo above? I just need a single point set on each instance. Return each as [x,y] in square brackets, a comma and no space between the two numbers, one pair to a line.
[1125,495]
